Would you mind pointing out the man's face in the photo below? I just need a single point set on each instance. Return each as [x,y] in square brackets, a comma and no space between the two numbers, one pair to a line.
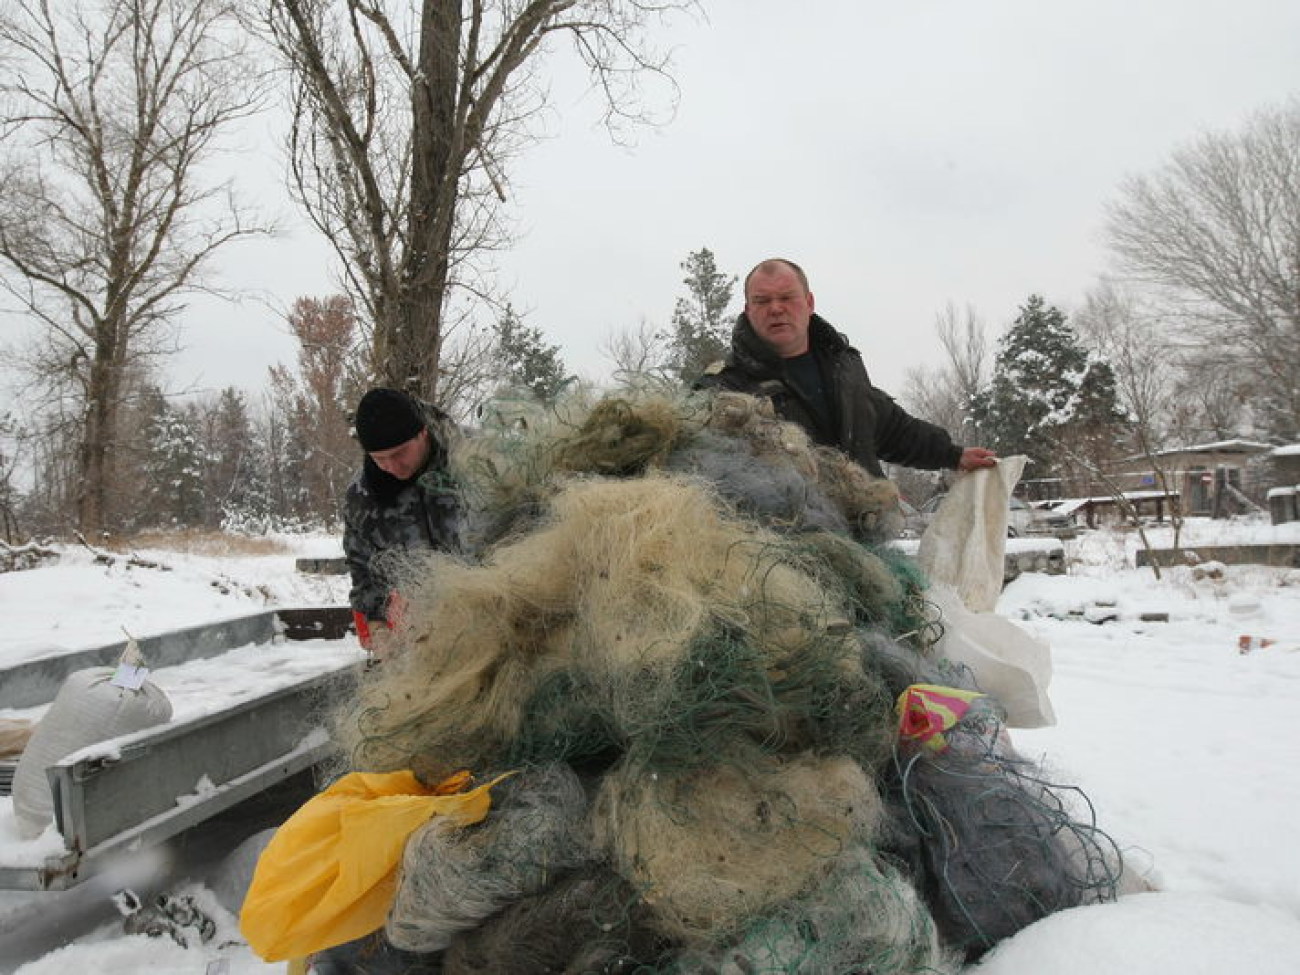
[780,308]
[405,460]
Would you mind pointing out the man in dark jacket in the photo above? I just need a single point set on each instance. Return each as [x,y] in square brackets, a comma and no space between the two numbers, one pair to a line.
[782,351]
[401,500]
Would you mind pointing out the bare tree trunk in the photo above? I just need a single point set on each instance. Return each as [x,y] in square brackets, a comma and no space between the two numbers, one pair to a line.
[409,199]
[943,394]
[98,430]
[435,186]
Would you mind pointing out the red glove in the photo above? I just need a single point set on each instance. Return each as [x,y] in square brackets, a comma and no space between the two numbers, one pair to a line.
[362,626]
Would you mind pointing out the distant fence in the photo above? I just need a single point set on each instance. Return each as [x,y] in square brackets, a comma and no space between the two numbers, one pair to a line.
[322,567]
[1283,555]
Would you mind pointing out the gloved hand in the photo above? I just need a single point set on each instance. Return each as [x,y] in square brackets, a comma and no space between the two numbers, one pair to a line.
[366,629]
[375,636]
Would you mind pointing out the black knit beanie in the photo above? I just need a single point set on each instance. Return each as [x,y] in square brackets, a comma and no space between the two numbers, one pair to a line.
[386,418]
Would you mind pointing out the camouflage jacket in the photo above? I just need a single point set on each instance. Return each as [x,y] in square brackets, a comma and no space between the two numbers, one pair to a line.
[383,518]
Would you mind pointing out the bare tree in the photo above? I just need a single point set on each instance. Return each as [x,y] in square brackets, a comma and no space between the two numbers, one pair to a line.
[314,405]
[1218,229]
[942,394]
[638,353]
[111,109]
[1140,348]
[405,117]
[467,371]
[1145,358]
[1213,394]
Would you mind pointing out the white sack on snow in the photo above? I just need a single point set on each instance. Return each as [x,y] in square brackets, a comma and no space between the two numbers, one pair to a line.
[963,551]
[87,709]
[1008,661]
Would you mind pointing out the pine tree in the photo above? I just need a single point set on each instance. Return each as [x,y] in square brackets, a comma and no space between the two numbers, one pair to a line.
[527,360]
[173,466]
[701,330]
[235,477]
[1049,398]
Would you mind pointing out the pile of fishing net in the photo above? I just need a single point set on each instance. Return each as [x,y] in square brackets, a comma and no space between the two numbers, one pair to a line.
[733,747]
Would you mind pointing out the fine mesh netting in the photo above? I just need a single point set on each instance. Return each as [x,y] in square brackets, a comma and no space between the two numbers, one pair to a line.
[680,625]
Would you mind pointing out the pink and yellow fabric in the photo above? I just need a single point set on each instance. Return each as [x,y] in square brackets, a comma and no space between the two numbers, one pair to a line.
[926,711]
[329,874]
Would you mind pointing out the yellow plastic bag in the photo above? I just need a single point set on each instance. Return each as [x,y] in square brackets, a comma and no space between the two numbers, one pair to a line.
[329,874]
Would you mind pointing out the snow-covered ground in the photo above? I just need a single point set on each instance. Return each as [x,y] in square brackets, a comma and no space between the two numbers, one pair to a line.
[1185,745]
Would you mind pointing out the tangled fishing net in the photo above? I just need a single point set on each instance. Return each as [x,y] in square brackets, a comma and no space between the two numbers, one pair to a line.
[680,624]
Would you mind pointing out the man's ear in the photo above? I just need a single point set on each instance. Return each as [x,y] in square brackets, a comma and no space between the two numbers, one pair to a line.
[812,302]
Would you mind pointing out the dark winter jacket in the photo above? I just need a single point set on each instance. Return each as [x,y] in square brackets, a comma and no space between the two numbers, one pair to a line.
[864,421]
[384,517]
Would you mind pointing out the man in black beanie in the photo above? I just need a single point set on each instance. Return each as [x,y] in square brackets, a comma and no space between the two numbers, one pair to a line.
[401,500]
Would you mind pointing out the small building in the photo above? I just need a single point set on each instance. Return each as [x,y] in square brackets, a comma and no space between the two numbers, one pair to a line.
[1213,479]
[1282,505]
[1286,463]
[1284,495]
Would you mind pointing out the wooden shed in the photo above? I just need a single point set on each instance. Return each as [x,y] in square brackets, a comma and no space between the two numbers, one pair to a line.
[1215,479]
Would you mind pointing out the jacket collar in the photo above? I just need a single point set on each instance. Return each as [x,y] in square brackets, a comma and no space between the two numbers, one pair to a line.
[753,355]
[385,486]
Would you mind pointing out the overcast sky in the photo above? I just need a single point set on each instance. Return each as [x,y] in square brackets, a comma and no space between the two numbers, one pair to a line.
[907,153]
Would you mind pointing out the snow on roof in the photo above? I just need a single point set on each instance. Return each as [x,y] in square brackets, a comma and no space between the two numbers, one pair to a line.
[1216,447]
[1287,450]
[1138,495]
[1065,506]
[1283,492]
[1219,447]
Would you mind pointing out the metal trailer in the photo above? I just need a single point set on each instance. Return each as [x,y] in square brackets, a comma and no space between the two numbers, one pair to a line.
[125,798]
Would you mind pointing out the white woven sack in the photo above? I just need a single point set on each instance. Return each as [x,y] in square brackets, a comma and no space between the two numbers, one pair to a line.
[87,709]
[1008,661]
[963,552]
[965,545]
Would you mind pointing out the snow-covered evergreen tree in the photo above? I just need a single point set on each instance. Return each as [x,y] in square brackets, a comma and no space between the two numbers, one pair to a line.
[173,466]
[701,330]
[1050,398]
[526,360]
[236,475]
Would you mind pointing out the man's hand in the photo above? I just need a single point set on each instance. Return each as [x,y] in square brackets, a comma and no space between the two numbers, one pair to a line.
[973,458]
[362,626]
[375,636]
